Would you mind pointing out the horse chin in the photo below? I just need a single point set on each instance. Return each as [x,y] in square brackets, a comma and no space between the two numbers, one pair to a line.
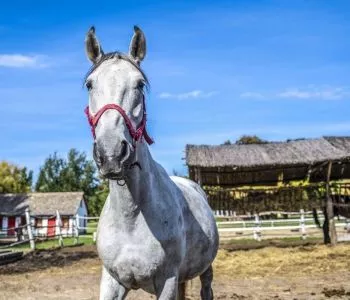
[113,175]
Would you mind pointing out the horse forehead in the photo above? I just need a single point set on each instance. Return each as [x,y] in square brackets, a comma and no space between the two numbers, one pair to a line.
[119,69]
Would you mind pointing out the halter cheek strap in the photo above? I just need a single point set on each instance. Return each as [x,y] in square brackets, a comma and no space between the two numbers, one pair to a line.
[136,133]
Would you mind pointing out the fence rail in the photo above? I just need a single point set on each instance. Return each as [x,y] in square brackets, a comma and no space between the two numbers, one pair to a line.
[243,226]
[257,228]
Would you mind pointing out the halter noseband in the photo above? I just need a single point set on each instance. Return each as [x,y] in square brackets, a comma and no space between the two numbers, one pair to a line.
[136,133]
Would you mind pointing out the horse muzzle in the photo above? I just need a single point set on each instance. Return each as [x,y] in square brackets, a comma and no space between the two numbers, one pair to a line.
[112,166]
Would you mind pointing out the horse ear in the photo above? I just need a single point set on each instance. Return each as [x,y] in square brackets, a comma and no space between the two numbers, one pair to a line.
[137,49]
[92,46]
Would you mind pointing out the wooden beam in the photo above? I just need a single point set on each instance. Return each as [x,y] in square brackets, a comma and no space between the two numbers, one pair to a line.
[329,207]
[199,174]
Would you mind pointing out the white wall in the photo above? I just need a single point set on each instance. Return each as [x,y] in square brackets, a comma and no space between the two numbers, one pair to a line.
[4,225]
[82,212]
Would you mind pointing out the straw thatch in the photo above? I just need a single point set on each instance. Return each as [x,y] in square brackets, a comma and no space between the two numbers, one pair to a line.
[292,153]
[340,142]
[44,204]
[267,164]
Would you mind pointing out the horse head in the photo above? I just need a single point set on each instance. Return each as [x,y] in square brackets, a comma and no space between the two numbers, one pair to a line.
[116,111]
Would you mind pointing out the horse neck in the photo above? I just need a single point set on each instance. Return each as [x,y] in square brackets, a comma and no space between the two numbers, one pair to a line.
[125,200]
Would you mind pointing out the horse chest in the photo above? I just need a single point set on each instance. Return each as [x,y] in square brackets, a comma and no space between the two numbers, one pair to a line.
[134,264]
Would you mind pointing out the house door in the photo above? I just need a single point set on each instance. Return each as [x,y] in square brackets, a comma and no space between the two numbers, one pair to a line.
[11,225]
[51,227]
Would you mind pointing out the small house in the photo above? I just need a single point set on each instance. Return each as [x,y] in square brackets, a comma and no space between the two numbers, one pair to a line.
[43,208]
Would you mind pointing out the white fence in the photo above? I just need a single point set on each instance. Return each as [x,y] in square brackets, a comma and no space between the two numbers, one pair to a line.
[297,224]
[254,227]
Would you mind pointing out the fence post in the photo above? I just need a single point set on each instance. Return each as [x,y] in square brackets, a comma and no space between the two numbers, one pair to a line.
[76,229]
[302,224]
[347,225]
[58,229]
[257,230]
[29,229]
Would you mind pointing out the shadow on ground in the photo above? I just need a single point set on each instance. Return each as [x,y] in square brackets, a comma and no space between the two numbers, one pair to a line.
[43,259]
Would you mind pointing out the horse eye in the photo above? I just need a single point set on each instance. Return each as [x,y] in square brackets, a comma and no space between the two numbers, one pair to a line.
[141,84]
[89,85]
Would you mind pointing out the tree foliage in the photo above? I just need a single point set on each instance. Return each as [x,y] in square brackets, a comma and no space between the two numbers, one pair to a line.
[98,198]
[75,173]
[250,139]
[14,179]
[71,174]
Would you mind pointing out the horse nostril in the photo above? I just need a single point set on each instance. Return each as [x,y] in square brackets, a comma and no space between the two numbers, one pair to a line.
[124,149]
[96,155]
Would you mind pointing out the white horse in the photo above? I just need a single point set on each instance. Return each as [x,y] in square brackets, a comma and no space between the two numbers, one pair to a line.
[155,232]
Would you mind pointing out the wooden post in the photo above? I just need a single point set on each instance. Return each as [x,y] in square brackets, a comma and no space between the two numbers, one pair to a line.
[76,229]
[199,176]
[196,174]
[58,229]
[329,207]
[257,230]
[302,224]
[347,225]
[29,229]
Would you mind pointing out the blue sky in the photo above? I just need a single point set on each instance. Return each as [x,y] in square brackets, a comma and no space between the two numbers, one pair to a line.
[218,70]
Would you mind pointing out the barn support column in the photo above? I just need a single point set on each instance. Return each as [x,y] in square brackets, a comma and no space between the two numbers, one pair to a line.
[329,208]
[198,175]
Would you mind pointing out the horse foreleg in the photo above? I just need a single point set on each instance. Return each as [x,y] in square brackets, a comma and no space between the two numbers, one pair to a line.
[110,289]
[206,280]
[167,290]
[181,291]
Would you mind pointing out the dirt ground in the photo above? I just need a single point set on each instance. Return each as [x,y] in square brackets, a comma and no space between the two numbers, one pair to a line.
[307,272]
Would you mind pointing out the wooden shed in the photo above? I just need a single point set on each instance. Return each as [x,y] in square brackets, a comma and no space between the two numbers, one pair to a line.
[284,176]
[269,164]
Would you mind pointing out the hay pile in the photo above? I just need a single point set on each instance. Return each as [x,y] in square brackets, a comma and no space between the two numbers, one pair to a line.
[272,261]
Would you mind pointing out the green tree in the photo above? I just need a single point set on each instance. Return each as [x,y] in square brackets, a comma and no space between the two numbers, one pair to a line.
[50,175]
[250,139]
[75,173]
[14,179]
[98,198]
[71,174]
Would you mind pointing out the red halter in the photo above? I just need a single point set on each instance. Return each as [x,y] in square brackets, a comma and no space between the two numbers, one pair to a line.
[136,134]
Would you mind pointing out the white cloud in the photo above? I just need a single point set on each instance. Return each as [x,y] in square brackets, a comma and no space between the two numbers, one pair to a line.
[189,95]
[323,92]
[314,92]
[252,95]
[22,61]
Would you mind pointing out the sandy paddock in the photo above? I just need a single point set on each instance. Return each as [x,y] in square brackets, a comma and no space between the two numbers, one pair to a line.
[309,272]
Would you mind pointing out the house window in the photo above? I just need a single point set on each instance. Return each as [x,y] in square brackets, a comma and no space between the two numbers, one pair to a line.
[38,222]
[65,222]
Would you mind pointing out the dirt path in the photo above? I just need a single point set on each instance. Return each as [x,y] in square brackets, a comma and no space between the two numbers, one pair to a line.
[315,272]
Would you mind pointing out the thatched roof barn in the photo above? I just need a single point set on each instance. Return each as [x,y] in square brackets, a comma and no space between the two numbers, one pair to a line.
[234,165]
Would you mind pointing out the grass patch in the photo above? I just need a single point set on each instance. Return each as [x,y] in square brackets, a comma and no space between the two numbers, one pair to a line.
[53,243]
[92,227]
